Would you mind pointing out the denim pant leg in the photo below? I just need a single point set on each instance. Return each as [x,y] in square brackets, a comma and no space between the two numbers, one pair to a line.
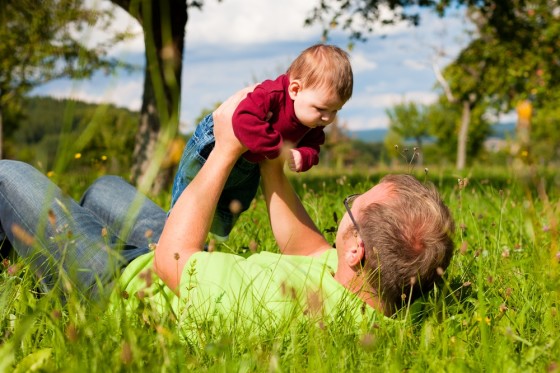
[133,220]
[50,231]
[242,184]
[194,156]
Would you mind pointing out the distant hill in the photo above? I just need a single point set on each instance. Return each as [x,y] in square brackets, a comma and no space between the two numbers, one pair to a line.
[503,130]
[500,130]
[374,135]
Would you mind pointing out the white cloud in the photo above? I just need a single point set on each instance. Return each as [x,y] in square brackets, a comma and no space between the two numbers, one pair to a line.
[510,117]
[122,22]
[414,64]
[387,100]
[360,62]
[250,21]
[361,122]
[256,21]
[127,94]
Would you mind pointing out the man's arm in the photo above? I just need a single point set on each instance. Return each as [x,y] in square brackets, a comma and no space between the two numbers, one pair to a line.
[293,229]
[188,223]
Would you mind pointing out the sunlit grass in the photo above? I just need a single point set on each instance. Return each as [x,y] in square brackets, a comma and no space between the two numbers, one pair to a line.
[496,311]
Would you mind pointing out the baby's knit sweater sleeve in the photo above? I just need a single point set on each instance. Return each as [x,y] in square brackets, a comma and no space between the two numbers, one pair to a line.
[250,124]
[310,146]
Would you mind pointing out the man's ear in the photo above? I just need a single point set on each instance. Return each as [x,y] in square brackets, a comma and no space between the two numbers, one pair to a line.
[294,88]
[355,254]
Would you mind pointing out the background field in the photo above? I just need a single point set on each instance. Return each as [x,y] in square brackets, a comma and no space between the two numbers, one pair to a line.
[497,309]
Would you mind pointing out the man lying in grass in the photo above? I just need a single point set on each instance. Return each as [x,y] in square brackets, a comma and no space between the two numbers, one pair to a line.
[393,240]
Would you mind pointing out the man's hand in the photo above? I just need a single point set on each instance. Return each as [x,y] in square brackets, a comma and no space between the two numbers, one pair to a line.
[294,160]
[223,129]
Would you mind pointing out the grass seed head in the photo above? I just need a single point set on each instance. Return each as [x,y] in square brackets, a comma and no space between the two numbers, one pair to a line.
[72,333]
[22,235]
[235,207]
[56,314]
[211,245]
[52,218]
[367,341]
[13,269]
[126,353]
[464,247]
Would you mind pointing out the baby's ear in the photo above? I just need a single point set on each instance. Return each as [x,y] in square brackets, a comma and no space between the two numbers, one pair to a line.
[294,88]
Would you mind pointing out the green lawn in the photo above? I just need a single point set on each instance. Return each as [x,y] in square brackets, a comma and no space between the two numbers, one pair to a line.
[497,309]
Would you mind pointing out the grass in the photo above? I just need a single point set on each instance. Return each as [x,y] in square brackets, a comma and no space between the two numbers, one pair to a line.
[496,311]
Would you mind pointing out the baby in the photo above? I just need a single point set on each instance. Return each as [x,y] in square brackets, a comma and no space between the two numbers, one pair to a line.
[289,112]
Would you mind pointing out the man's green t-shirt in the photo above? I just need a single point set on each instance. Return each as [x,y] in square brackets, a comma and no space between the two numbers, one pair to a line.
[261,291]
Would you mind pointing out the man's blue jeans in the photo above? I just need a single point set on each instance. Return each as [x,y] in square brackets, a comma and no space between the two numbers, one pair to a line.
[241,185]
[89,242]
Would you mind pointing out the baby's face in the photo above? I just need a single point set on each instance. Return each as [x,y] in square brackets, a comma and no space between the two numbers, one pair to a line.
[316,107]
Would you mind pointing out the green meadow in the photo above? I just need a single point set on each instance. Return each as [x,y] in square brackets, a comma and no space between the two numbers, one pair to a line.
[495,310]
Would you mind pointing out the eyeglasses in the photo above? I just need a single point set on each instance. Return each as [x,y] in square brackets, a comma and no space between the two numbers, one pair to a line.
[348,201]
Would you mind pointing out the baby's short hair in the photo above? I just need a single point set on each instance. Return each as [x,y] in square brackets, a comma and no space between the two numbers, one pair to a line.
[323,65]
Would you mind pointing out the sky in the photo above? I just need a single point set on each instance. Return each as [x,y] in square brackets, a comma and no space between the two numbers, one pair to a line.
[234,43]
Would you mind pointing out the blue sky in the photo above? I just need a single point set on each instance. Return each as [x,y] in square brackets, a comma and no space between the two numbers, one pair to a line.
[233,43]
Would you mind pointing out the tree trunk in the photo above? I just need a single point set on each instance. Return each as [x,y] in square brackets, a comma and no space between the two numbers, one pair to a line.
[148,130]
[164,25]
[463,137]
[1,133]
[419,153]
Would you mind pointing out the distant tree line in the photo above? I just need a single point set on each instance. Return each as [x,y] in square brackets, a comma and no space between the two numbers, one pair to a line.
[65,135]
[513,56]
[61,135]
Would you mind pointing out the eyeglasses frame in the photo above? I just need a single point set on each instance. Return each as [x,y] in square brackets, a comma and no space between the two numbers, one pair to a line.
[347,202]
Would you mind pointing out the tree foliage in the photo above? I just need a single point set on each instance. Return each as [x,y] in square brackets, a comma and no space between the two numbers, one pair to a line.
[408,120]
[88,139]
[514,55]
[40,42]
[444,120]
[360,17]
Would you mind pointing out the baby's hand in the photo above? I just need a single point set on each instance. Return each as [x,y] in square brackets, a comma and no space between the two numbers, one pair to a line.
[294,160]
